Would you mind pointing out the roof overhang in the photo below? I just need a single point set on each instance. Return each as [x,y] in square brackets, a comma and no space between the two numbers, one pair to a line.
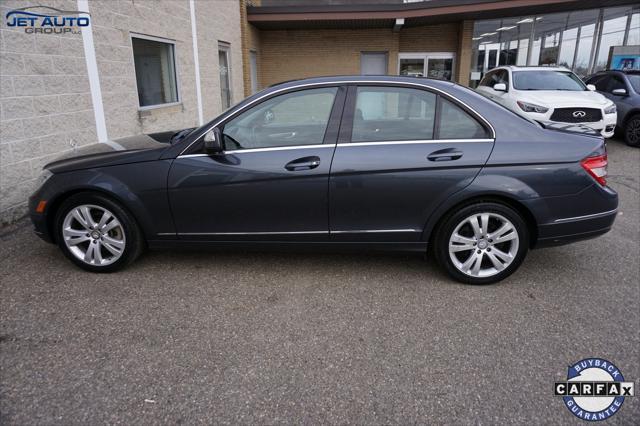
[420,13]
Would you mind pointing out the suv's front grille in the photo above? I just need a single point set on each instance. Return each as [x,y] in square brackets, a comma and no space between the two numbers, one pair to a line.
[576,115]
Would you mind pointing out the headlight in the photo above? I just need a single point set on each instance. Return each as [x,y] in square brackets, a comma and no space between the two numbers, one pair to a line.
[44,176]
[611,109]
[527,107]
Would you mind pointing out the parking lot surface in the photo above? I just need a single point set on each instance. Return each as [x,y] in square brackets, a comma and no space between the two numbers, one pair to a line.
[254,338]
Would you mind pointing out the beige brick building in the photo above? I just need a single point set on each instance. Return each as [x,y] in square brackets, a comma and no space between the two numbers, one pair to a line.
[144,66]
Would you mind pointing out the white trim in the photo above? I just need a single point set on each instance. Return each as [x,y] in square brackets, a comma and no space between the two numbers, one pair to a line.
[231,112]
[196,61]
[152,38]
[94,77]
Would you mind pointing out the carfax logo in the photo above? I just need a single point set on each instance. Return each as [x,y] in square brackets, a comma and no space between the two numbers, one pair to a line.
[54,21]
[595,389]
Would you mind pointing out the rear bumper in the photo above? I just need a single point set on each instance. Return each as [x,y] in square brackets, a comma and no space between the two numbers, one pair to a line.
[568,230]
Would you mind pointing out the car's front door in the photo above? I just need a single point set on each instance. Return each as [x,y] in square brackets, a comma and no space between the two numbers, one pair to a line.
[271,180]
[403,152]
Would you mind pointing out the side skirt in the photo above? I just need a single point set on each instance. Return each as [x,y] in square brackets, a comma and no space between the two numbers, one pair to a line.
[419,247]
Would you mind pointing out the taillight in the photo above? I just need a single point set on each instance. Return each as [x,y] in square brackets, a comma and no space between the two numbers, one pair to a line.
[596,167]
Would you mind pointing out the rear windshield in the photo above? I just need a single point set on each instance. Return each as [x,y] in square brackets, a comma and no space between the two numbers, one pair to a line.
[547,80]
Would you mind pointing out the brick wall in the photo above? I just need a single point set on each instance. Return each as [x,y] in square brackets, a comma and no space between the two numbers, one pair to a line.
[465,51]
[292,54]
[430,38]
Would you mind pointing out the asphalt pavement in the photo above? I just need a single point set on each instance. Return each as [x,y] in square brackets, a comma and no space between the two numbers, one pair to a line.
[272,338]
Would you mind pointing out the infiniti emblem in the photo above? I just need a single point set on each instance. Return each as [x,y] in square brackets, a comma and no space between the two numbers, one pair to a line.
[579,114]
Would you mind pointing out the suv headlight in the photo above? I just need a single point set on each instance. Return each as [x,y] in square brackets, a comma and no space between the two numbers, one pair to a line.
[611,109]
[527,107]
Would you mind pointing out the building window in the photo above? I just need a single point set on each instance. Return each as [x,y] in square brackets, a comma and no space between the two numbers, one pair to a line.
[579,40]
[155,67]
[253,63]
[224,63]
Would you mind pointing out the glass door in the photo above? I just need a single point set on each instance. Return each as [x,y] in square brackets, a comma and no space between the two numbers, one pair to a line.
[412,67]
[430,65]
[440,67]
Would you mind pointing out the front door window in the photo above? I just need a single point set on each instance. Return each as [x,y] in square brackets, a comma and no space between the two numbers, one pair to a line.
[296,118]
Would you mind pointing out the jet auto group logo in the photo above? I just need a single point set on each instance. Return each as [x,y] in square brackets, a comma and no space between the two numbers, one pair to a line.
[594,390]
[47,20]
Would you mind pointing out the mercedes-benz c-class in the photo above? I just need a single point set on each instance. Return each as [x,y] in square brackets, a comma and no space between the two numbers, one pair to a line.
[384,163]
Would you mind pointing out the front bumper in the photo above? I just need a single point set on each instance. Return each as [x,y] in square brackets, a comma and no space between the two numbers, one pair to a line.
[39,220]
[605,127]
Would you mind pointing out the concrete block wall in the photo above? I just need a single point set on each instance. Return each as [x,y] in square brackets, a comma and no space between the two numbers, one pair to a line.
[45,99]
[45,105]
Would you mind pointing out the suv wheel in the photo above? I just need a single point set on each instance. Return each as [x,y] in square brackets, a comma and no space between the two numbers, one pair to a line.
[632,131]
[482,243]
[97,234]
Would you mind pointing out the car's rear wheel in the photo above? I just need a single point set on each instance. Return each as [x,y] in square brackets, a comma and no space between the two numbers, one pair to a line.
[481,243]
[632,131]
[96,233]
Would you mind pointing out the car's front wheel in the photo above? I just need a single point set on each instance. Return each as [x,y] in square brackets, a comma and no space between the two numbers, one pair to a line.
[632,131]
[481,243]
[96,233]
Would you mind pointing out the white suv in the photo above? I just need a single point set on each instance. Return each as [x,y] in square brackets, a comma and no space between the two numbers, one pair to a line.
[550,94]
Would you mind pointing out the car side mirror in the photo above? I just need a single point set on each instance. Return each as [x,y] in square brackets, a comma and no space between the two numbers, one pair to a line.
[213,141]
[500,87]
[591,87]
[619,92]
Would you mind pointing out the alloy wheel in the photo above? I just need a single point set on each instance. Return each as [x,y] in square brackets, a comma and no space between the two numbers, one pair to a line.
[633,131]
[483,245]
[94,235]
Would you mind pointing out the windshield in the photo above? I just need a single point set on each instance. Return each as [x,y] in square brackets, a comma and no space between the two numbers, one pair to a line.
[634,79]
[547,80]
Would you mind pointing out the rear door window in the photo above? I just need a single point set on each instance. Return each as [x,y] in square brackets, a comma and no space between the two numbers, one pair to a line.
[393,114]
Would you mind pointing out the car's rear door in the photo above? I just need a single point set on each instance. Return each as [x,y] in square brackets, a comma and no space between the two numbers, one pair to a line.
[271,180]
[400,153]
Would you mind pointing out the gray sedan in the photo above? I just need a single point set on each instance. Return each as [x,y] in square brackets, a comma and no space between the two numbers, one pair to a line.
[386,163]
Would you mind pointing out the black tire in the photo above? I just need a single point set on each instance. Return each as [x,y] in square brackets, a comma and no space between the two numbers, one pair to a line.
[632,131]
[457,217]
[134,242]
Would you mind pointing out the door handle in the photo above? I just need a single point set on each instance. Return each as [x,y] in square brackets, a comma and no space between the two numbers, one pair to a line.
[447,154]
[285,135]
[305,163]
